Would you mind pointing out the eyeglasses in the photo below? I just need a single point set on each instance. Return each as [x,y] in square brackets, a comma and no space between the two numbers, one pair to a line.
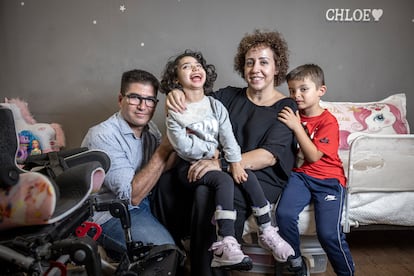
[135,99]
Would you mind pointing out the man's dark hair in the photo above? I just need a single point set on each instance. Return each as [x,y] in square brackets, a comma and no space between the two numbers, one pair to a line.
[141,76]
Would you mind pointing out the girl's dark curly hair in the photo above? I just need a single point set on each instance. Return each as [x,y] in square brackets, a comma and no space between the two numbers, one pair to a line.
[275,41]
[169,75]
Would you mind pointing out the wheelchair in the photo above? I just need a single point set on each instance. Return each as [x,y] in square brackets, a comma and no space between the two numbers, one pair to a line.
[46,210]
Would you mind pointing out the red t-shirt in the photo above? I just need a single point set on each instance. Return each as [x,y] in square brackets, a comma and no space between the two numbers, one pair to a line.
[324,133]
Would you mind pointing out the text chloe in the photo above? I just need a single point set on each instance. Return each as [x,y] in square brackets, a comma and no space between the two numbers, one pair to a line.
[357,15]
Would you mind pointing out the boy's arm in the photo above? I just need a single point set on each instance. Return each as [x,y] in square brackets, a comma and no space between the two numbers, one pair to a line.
[292,120]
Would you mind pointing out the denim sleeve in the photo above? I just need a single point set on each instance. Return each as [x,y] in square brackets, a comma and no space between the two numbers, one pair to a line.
[118,178]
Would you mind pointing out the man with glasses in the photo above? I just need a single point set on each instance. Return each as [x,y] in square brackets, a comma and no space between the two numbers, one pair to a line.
[138,157]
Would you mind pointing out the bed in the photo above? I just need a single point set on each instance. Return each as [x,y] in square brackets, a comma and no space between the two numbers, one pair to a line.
[380,189]
[377,151]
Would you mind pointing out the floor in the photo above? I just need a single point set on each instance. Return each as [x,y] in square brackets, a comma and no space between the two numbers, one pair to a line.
[376,253]
[381,253]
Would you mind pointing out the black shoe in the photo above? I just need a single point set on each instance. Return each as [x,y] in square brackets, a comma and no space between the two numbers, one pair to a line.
[245,265]
[300,270]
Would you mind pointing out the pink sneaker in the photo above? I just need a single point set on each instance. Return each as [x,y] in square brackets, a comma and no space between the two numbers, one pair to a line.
[228,255]
[271,240]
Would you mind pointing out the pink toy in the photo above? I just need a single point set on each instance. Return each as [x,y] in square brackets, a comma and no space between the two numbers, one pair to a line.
[50,137]
[31,202]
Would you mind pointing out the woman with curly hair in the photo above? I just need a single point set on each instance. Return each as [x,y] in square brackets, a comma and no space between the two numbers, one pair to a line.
[267,145]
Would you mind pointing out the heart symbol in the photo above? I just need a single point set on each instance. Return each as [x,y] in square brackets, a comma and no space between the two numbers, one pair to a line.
[377,13]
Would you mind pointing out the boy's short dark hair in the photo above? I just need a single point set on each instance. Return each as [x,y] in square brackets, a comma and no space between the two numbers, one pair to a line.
[140,76]
[312,71]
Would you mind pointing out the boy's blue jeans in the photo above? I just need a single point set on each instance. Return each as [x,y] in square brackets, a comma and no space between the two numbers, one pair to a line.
[144,227]
[327,196]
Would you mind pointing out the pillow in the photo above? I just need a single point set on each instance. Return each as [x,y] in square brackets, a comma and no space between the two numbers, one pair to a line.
[387,116]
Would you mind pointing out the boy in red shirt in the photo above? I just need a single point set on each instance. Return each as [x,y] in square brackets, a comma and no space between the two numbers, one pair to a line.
[319,175]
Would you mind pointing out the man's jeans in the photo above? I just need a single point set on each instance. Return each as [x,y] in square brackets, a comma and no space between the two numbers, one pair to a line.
[144,227]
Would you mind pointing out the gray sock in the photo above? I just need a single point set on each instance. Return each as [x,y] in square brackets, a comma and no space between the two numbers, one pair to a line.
[297,262]
[263,226]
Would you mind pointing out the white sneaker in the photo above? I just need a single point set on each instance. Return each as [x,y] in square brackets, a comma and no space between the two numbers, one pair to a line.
[271,240]
[228,255]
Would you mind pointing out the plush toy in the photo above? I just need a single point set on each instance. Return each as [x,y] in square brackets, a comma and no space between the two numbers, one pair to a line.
[34,137]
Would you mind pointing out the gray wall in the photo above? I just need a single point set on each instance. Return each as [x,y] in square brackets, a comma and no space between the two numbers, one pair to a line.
[68,68]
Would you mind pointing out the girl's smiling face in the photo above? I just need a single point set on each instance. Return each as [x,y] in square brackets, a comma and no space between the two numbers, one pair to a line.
[190,73]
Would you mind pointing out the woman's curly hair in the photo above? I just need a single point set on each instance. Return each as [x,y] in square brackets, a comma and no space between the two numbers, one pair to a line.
[272,39]
[169,75]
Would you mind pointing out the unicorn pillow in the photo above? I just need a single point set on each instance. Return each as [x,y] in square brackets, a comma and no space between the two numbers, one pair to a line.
[34,138]
[387,116]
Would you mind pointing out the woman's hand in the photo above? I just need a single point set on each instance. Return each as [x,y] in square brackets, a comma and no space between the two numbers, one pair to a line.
[176,101]
[198,169]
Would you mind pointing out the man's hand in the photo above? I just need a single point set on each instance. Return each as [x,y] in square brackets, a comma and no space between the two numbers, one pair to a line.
[198,169]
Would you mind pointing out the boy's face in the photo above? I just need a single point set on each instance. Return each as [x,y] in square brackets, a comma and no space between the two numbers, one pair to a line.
[306,93]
